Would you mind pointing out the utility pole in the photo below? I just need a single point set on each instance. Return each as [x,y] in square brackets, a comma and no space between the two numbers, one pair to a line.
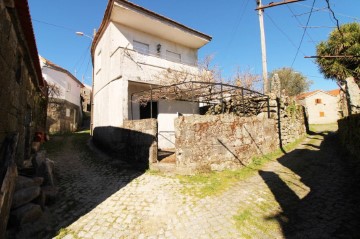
[260,8]
[263,47]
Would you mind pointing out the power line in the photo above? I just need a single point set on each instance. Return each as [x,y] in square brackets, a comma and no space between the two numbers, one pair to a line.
[280,30]
[236,29]
[302,37]
[82,57]
[339,14]
[297,19]
[54,25]
[337,20]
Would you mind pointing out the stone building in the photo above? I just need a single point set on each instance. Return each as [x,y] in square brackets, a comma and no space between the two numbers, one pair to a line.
[23,97]
[23,90]
[64,113]
[86,98]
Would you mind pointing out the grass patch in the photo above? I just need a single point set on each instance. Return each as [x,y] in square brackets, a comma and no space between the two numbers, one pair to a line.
[243,216]
[323,127]
[63,232]
[213,183]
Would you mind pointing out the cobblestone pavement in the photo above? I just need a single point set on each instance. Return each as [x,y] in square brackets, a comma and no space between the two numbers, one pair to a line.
[310,192]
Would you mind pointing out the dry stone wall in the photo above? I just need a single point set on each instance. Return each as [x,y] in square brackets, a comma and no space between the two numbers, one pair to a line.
[290,117]
[349,134]
[224,141]
[227,141]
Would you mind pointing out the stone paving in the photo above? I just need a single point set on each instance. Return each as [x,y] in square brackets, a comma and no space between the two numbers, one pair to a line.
[310,192]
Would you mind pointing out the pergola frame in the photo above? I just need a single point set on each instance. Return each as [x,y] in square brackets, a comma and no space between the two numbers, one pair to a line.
[209,93]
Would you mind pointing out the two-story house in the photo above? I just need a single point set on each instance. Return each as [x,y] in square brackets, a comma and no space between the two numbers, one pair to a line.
[322,107]
[64,112]
[131,49]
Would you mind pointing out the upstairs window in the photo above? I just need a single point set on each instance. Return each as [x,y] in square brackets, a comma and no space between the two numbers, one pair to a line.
[317,101]
[173,56]
[140,47]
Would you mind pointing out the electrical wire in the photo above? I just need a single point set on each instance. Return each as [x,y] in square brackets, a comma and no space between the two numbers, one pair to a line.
[339,14]
[82,57]
[280,30]
[302,37]
[235,29]
[297,19]
[337,20]
[54,25]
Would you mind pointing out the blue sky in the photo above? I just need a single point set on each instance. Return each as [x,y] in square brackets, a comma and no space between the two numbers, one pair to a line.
[233,24]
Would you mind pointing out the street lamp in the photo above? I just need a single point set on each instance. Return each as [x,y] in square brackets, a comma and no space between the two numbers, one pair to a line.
[83,34]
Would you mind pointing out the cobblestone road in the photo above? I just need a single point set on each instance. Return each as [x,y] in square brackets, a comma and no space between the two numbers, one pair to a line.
[311,192]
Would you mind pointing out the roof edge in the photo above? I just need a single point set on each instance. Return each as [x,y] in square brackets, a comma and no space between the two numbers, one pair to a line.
[106,20]
[51,65]
[23,11]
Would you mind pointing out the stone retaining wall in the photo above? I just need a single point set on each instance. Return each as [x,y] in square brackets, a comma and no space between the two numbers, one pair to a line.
[223,141]
[135,142]
[226,141]
[349,134]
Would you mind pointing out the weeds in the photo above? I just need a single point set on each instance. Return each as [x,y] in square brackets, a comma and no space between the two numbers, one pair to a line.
[213,183]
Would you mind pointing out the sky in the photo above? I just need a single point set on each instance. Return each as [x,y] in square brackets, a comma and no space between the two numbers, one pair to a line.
[233,25]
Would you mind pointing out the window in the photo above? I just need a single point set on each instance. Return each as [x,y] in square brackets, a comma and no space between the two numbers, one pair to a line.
[68,87]
[150,110]
[322,114]
[67,112]
[141,47]
[317,101]
[173,56]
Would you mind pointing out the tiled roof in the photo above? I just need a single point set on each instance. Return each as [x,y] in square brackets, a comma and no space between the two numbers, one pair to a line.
[305,94]
[302,96]
[22,9]
[334,92]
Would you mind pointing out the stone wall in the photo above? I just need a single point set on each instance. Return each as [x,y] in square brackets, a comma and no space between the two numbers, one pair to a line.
[61,121]
[349,134]
[226,141]
[290,117]
[223,141]
[23,106]
[135,142]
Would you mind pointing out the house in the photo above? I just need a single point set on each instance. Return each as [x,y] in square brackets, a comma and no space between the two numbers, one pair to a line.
[86,98]
[322,107]
[133,47]
[23,89]
[23,97]
[64,112]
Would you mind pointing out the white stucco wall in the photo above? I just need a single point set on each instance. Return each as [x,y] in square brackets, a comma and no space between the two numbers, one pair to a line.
[167,114]
[69,88]
[328,105]
[116,63]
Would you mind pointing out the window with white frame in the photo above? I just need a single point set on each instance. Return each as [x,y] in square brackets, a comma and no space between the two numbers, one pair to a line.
[141,47]
[173,56]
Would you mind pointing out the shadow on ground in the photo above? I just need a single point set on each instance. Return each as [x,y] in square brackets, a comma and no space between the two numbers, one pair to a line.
[330,209]
[86,177]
